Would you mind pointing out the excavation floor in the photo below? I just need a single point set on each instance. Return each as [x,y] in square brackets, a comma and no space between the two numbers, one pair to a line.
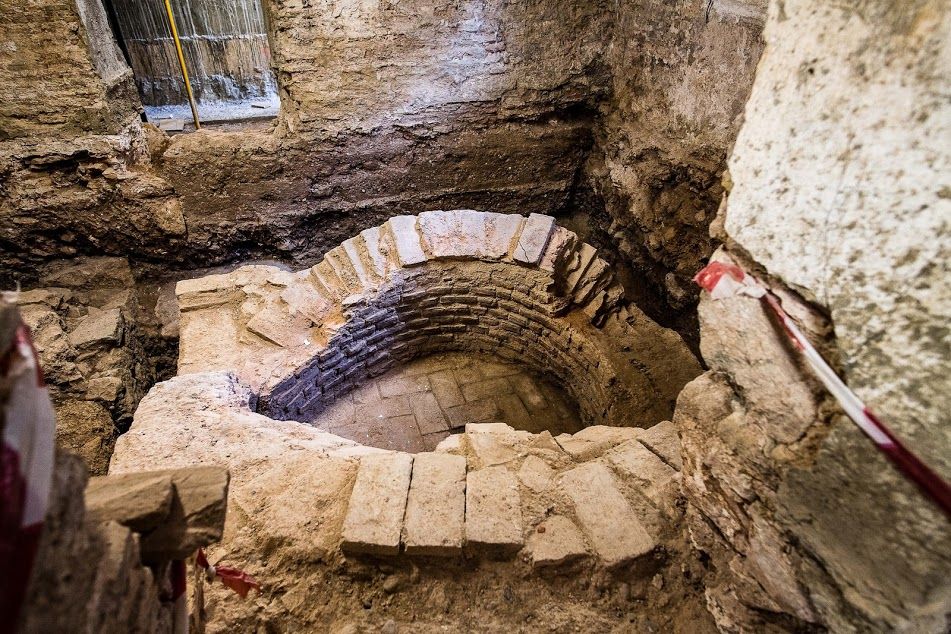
[413,407]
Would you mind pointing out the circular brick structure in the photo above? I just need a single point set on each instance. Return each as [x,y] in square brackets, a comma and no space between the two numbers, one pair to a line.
[522,289]
[262,348]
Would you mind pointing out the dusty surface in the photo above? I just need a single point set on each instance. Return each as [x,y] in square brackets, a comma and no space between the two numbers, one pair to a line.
[844,201]
[414,406]
[293,491]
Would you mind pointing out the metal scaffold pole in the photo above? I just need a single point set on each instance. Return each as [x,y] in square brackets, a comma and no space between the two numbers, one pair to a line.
[181,62]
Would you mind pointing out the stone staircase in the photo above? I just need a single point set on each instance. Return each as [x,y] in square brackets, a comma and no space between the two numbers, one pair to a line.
[606,494]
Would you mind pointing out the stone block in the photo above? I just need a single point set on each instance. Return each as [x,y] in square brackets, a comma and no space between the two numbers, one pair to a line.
[406,240]
[435,508]
[491,444]
[451,444]
[197,517]
[533,239]
[493,512]
[274,325]
[593,441]
[303,299]
[555,542]
[535,474]
[636,464]
[99,326]
[664,441]
[353,249]
[374,520]
[371,242]
[139,501]
[607,519]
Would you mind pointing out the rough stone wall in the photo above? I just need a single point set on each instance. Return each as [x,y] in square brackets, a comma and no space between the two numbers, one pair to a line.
[83,321]
[681,72]
[56,80]
[385,108]
[841,176]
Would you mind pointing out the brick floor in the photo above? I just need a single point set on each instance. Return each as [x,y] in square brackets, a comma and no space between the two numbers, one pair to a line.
[414,407]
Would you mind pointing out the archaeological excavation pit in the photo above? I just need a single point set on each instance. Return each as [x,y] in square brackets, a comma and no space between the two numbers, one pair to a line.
[474,316]
[411,330]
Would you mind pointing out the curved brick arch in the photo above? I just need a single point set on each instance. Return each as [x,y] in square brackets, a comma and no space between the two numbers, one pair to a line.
[521,288]
[262,344]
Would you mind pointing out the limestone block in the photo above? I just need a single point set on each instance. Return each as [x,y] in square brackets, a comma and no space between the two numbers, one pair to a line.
[328,281]
[346,269]
[99,326]
[534,238]
[139,501]
[607,519]
[355,250]
[490,444]
[493,512]
[378,260]
[555,542]
[274,325]
[197,516]
[466,233]
[535,474]
[303,299]
[499,233]
[374,519]
[452,234]
[435,508]
[450,444]
[638,465]
[593,441]
[664,441]
[406,240]
[559,249]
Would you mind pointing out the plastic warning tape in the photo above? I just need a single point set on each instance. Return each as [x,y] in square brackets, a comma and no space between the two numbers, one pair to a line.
[723,280]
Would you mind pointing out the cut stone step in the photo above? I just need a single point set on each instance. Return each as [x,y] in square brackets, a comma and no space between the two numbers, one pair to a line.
[608,521]
[406,240]
[436,505]
[493,512]
[374,520]
[554,542]
[534,238]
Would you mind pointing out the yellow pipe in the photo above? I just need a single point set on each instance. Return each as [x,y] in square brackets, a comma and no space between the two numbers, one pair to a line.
[181,61]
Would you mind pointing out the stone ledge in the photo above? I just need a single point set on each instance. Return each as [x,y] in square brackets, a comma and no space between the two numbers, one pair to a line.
[177,511]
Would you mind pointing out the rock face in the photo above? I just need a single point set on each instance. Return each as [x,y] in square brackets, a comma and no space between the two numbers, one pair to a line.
[83,322]
[680,74]
[813,525]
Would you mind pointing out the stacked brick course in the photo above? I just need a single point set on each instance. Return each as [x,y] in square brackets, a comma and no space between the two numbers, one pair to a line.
[521,289]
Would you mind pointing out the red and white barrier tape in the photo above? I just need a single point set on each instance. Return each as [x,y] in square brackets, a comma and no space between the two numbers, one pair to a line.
[238,580]
[723,280]
[27,454]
